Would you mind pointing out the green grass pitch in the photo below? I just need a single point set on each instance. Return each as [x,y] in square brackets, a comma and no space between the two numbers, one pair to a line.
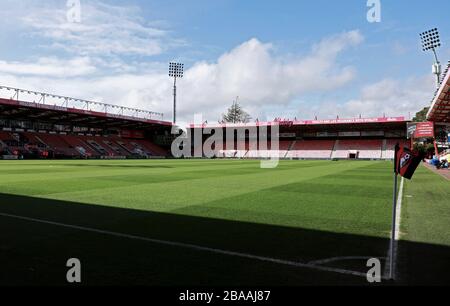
[302,211]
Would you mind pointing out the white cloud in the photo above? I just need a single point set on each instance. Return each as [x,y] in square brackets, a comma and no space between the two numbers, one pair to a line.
[50,67]
[252,71]
[210,88]
[388,97]
[260,78]
[97,66]
[104,30]
[99,70]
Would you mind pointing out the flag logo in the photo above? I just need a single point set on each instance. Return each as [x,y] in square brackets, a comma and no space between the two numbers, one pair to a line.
[406,161]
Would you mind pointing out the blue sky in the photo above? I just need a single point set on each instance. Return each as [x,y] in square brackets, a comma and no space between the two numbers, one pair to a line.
[282,58]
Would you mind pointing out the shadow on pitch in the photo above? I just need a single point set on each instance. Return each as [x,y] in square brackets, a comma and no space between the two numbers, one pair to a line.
[35,253]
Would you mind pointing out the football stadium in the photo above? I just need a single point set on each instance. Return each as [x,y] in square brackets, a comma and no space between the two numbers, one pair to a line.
[130,197]
[88,183]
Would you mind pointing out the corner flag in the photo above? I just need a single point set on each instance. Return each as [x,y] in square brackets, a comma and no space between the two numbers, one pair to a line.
[405,164]
[406,161]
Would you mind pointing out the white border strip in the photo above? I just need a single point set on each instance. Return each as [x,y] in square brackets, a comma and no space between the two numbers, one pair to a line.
[191,246]
[398,218]
[398,215]
[345,258]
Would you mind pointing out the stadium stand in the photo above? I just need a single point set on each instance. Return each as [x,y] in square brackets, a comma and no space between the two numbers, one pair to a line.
[151,148]
[440,106]
[40,130]
[358,138]
[363,149]
[305,149]
[57,145]
[257,151]
[114,147]
[76,146]
[83,148]
[48,130]
[317,149]
[389,147]
[439,113]
[10,143]
[98,145]
[129,147]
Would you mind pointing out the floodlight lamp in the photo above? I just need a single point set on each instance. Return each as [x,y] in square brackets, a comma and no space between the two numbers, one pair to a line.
[430,39]
[176,70]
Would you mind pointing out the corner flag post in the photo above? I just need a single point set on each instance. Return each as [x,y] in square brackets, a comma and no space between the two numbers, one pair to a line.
[405,164]
[394,218]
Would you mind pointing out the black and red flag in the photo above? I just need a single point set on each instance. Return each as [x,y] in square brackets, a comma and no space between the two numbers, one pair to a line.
[405,164]
[406,161]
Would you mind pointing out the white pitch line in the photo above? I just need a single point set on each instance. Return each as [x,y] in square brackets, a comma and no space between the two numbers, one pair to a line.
[398,218]
[344,258]
[191,246]
[398,214]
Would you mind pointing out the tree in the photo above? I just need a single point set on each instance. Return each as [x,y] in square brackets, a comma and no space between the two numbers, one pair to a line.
[422,115]
[426,149]
[236,114]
